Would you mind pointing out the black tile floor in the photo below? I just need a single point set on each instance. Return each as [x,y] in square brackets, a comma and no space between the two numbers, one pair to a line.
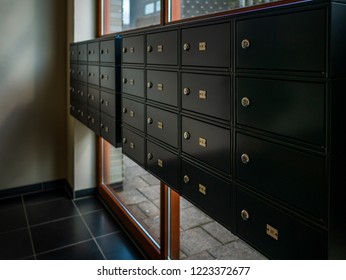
[51,226]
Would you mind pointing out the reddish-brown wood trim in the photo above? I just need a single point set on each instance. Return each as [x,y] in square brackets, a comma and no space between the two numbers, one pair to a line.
[106,19]
[99,176]
[136,233]
[164,221]
[99,18]
[164,12]
[176,10]
[175,225]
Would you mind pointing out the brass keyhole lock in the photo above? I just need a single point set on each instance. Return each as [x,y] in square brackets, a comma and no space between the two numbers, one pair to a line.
[245,102]
[124,140]
[124,80]
[186,47]
[150,156]
[245,215]
[124,110]
[245,158]
[149,48]
[245,44]
[186,91]
[149,84]
[186,135]
[124,50]
[149,120]
[186,179]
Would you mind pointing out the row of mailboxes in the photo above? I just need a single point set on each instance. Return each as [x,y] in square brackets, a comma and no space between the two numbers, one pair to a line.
[259,44]
[94,86]
[99,51]
[237,114]
[103,76]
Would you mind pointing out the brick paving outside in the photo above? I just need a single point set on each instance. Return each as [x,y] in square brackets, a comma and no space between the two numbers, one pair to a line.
[201,238]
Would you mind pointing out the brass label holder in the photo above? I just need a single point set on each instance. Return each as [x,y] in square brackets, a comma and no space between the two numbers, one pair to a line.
[202,142]
[160,162]
[202,46]
[202,189]
[160,125]
[272,232]
[202,94]
[160,87]
[160,48]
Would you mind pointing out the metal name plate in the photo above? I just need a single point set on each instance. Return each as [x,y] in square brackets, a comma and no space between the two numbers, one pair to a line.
[160,125]
[160,87]
[202,142]
[202,46]
[160,48]
[132,50]
[132,145]
[202,94]
[160,162]
[132,82]
[272,232]
[202,189]
[132,113]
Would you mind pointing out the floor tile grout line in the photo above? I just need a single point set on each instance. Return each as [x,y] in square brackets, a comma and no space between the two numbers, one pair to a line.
[55,220]
[64,247]
[29,230]
[47,201]
[93,237]
[122,228]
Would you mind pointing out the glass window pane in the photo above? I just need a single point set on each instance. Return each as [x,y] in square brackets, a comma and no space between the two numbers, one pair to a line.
[182,9]
[202,238]
[137,190]
[119,15]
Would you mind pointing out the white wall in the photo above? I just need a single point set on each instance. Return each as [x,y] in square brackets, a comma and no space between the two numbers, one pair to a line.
[32,91]
[81,141]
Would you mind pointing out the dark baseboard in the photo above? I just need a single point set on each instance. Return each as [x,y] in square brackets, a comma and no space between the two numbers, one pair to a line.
[46,186]
[86,192]
[40,187]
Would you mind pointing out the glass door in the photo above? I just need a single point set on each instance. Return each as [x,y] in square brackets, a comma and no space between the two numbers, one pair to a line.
[135,196]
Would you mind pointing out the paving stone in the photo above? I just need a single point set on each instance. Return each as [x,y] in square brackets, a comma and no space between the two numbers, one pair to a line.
[128,162]
[134,183]
[157,202]
[134,171]
[149,209]
[219,232]
[150,179]
[182,255]
[152,225]
[236,250]
[136,212]
[196,240]
[131,196]
[151,192]
[184,203]
[201,256]
[192,217]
